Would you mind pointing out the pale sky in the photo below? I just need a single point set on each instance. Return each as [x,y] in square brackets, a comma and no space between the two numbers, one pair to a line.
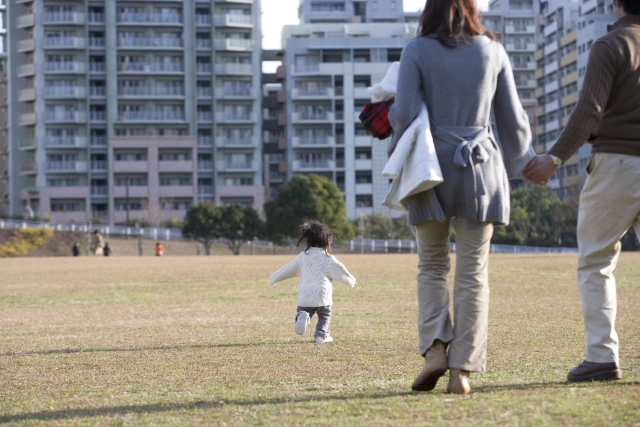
[278,13]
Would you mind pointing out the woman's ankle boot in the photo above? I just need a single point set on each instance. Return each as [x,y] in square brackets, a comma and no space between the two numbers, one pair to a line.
[458,382]
[435,366]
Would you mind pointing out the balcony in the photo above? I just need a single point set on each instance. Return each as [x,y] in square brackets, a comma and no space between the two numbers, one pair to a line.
[234,44]
[28,144]
[97,91]
[141,166]
[320,117]
[363,141]
[229,1]
[25,21]
[26,70]
[64,18]
[244,142]
[67,166]
[66,142]
[363,164]
[361,93]
[530,47]
[149,18]
[205,190]
[364,189]
[205,141]
[159,67]
[205,165]
[233,20]
[203,20]
[96,42]
[98,165]
[313,142]
[531,66]
[203,68]
[28,168]
[204,92]
[222,117]
[96,18]
[234,69]
[97,67]
[236,93]
[151,92]
[176,191]
[227,166]
[99,190]
[75,92]
[26,95]
[98,141]
[66,116]
[308,166]
[520,29]
[64,43]
[175,166]
[150,43]
[202,43]
[322,93]
[151,116]
[27,119]
[26,45]
[204,116]
[65,67]
[529,84]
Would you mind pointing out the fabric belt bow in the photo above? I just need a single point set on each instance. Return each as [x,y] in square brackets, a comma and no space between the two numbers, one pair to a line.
[469,155]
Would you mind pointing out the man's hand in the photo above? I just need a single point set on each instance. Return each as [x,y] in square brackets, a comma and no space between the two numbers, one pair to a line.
[539,170]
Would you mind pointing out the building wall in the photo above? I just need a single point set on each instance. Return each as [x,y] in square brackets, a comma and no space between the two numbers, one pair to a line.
[350,11]
[84,73]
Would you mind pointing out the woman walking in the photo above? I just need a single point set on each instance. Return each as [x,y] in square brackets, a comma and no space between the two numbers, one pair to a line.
[460,72]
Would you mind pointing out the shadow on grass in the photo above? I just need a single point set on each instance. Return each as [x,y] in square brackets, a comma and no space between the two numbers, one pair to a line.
[549,385]
[65,414]
[159,348]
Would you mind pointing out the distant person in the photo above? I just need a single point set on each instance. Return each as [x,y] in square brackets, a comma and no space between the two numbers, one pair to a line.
[607,115]
[317,269]
[97,243]
[107,249]
[76,249]
[159,249]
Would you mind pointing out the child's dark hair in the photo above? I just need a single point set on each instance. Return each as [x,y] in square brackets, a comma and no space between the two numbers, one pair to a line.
[317,235]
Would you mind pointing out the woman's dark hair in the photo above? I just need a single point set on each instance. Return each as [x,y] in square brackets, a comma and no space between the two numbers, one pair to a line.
[317,235]
[631,7]
[452,22]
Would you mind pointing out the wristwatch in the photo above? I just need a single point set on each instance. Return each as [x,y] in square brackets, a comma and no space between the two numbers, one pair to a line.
[556,160]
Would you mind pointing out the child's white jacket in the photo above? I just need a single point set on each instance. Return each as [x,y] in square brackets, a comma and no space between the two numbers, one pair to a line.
[317,271]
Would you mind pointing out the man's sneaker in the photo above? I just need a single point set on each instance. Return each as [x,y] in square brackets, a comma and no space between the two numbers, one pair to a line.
[322,340]
[302,321]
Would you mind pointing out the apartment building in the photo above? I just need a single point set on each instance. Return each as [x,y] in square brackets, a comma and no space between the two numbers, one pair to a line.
[350,11]
[569,28]
[127,108]
[328,69]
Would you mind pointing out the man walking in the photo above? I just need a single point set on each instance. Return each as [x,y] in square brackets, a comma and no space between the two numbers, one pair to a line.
[608,115]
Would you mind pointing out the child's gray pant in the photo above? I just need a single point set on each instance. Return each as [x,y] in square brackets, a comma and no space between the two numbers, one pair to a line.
[324,318]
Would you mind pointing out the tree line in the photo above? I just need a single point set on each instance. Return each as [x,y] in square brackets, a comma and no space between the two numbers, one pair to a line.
[538,218]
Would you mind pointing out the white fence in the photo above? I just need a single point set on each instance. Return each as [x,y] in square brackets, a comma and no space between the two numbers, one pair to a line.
[354,246]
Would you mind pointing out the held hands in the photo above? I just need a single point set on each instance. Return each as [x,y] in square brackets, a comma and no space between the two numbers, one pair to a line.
[539,170]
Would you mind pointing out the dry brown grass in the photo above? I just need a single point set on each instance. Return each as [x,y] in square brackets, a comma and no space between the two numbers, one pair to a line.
[207,341]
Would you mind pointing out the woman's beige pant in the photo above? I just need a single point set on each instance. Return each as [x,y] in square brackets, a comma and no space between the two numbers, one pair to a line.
[467,334]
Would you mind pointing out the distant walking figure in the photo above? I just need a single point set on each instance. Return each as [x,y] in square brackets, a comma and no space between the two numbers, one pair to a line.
[75,249]
[608,116]
[159,249]
[317,270]
[459,71]
[97,243]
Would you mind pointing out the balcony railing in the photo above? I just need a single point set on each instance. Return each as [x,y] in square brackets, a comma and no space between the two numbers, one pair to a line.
[26,70]
[64,42]
[205,164]
[27,119]
[235,117]
[205,140]
[234,20]
[150,116]
[28,167]
[234,44]
[159,42]
[98,116]
[205,116]
[28,143]
[98,165]
[202,68]
[99,190]
[98,141]
[235,92]
[67,166]
[64,67]
[154,67]
[63,18]
[203,43]
[96,18]
[96,42]
[205,189]
[66,116]
[97,67]
[204,92]
[26,45]
[97,91]
[234,69]
[66,141]
[203,19]
[151,91]
[65,92]
[225,165]
[223,141]
[149,18]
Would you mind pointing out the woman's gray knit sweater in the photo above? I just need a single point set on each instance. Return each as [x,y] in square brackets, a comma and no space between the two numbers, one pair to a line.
[461,87]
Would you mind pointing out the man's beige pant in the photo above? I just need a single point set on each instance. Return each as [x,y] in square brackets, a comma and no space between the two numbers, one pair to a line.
[467,337]
[609,206]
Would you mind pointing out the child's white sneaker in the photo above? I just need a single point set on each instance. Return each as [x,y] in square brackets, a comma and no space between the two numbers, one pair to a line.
[302,321]
[322,340]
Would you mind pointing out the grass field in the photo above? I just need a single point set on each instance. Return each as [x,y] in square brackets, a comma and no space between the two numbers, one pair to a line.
[206,341]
